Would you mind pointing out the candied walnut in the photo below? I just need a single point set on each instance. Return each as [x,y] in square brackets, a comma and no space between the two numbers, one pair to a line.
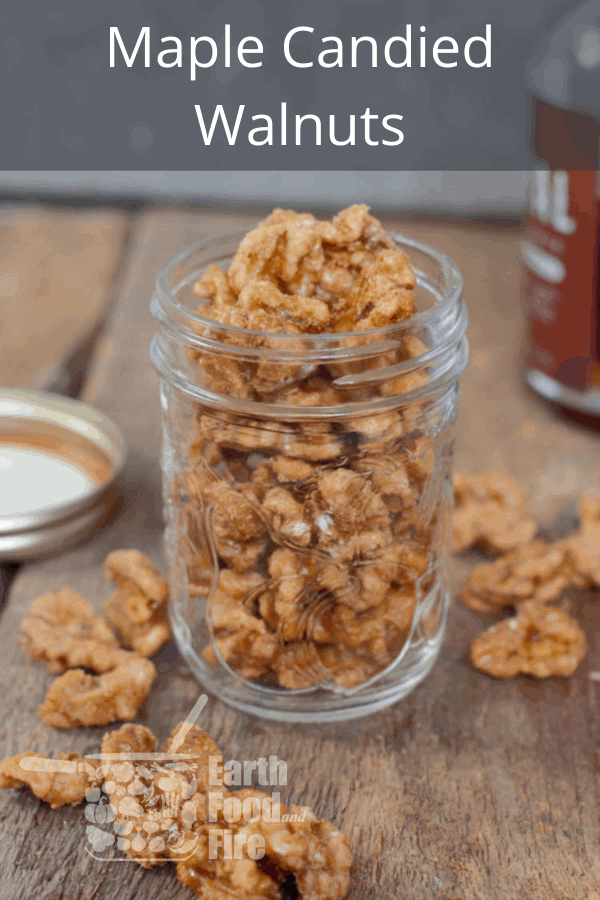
[351,501]
[63,630]
[140,625]
[348,668]
[214,285]
[315,443]
[282,471]
[243,639]
[404,384]
[58,782]
[377,631]
[238,879]
[305,313]
[129,739]
[296,843]
[379,433]
[138,609]
[412,347]
[285,246]
[584,546]
[354,224]
[297,666]
[132,569]
[540,640]
[385,294]
[285,518]
[165,795]
[77,698]
[389,476]
[300,588]
[490,511]
[538,571]
[309,393]
[239,533]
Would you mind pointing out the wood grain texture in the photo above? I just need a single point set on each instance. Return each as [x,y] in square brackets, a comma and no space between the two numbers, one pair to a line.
[470,789]
[57,271]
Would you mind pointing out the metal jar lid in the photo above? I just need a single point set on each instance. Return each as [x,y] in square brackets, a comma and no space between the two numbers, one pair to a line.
[58,458]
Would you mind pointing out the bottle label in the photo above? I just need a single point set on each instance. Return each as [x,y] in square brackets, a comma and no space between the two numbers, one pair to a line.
[561,253]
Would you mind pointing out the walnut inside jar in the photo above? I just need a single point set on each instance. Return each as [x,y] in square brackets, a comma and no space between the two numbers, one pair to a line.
[321,528]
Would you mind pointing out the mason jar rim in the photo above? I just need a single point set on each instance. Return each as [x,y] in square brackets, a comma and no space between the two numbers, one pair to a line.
[451,297]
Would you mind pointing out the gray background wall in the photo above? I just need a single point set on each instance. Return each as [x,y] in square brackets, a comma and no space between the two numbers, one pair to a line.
[467,193]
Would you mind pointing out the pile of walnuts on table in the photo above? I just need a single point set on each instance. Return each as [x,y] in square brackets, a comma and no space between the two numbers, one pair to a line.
[298,849]
[62,630]
[539,639]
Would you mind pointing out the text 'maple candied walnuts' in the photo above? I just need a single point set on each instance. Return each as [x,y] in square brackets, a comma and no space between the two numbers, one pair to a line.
[540,640]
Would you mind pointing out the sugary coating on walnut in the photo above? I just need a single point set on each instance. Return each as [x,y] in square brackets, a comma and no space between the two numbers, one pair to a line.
[350,500]
[295,274]
[141,626]
[313,442]
[385,294]
[540,640]
[490,511]
[296,843]
[377,631]
[293,474]
[242,638]
[389,476]
[236,879]
[133,569]
[57,782]
[379,433]
[63,630]
[301,587]
[138,609]
[286,519]
[129,739]
[77,698]
[537,571]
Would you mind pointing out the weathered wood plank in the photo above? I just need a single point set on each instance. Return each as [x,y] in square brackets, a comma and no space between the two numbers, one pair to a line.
[470,789]
[57,270]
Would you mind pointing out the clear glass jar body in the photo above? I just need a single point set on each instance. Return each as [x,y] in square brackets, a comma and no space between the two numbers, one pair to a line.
[307,490]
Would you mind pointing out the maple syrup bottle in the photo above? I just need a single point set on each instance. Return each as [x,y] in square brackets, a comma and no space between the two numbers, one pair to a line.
[561,248]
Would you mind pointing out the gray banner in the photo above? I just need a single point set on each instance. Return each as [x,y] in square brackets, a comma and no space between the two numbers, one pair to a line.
[63,106]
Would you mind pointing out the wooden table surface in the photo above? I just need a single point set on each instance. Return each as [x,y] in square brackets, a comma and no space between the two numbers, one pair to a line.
[470,788]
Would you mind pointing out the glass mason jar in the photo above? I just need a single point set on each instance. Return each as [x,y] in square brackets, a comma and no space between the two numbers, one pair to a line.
[308,496]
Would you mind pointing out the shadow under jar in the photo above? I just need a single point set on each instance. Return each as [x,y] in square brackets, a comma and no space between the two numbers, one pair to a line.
[308,497]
